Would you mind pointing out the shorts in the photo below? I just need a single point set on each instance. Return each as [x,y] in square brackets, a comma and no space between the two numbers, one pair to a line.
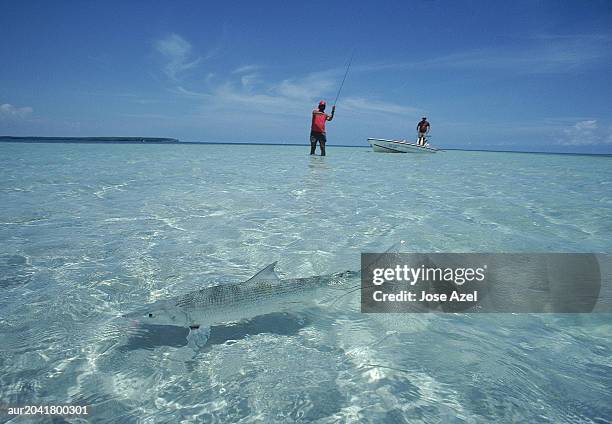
[317,136]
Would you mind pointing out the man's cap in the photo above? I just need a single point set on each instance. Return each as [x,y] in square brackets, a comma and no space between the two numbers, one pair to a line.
[424,117]
[322,103]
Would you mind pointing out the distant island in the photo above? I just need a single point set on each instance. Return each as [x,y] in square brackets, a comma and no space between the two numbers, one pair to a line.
[155,140]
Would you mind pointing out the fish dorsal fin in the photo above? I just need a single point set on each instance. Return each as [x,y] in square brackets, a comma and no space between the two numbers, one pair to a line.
[267,274]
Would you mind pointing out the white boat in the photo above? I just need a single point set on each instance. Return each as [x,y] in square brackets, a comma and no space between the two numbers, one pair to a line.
[398,146]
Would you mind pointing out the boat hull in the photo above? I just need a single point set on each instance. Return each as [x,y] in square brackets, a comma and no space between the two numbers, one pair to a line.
[382,145]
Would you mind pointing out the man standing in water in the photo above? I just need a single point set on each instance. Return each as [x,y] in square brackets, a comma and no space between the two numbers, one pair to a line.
[423,129]
[317,129]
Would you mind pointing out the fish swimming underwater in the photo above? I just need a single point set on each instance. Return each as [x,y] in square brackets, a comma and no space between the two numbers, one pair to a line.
[547,283]
[263,293]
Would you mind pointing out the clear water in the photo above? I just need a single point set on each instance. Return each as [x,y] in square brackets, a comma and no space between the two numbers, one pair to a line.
[88,232]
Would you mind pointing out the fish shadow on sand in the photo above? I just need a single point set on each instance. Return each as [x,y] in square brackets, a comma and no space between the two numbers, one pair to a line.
[281,323]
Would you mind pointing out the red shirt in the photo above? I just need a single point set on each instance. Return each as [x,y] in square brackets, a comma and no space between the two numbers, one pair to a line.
[318,121]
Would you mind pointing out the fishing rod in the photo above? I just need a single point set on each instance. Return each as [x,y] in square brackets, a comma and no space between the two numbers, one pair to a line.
[344,79]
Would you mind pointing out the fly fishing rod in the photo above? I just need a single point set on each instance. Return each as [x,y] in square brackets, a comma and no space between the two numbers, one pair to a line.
[344,79]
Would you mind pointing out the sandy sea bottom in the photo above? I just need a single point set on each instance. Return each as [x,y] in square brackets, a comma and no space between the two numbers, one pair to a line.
[89,232]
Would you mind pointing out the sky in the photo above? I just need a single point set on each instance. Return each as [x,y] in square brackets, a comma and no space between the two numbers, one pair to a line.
[521,75]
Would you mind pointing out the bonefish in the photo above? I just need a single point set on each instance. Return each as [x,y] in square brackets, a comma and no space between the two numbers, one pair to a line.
[261,294]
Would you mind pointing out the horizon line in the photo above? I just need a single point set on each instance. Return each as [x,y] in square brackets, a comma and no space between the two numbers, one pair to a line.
[170,140]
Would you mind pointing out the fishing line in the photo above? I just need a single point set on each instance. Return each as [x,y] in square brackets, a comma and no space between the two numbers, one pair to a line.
[344,79]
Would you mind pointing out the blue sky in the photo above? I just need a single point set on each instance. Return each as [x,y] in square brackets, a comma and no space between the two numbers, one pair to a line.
[521,75]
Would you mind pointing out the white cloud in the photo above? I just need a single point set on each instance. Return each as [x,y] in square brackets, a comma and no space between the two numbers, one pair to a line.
[312,87]
[179,89]
[586,133]
[178,55]
[259,101]
[249,80]
[540,54]
[360,104]
[252,93]
[246,69]
[8,111]
[265,100]
[588,125]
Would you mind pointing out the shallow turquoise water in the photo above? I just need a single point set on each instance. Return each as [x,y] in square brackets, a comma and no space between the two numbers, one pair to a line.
[89,232]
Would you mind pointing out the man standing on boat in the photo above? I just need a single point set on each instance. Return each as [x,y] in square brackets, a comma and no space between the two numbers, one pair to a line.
[423,129]
[317,129]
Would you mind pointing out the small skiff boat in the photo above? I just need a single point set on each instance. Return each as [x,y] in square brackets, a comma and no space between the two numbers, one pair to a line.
[396,146]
